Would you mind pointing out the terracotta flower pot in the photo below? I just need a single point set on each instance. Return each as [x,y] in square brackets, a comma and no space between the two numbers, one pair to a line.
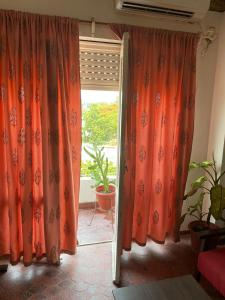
[106,200]
[195,227]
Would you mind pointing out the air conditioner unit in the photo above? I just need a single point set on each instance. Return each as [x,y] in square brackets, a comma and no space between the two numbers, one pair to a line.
[190,10]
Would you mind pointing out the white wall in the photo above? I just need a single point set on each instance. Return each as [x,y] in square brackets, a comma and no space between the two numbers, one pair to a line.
[87,193]
[103,10]
[87,189]
[217,126]
[206,68]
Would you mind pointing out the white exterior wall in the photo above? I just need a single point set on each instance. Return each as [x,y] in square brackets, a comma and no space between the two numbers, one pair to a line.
[87,193]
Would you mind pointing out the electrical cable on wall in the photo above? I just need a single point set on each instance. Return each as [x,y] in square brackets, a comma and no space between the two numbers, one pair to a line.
[208,36]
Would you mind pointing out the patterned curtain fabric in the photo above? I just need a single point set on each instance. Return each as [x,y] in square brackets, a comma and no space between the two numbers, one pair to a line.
[159,130]
[40,135]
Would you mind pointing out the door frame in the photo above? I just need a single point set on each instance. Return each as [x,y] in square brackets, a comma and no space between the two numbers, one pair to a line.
[117,238]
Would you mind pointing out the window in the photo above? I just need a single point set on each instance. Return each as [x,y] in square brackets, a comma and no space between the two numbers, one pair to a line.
[99,65]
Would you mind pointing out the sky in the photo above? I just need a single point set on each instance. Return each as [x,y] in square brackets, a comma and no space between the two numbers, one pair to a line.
[90,96]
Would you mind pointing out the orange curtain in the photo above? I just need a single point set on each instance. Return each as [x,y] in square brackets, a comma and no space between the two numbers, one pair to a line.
[159,130]
[40,135]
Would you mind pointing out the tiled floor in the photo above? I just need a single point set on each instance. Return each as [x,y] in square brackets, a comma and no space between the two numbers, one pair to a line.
[84,276]
[99,230]
[156,262]
[87,275]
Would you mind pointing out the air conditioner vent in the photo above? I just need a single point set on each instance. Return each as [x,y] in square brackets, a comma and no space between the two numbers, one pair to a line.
[156,9]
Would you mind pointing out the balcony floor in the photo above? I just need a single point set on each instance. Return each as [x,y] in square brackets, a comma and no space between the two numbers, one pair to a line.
[100,230]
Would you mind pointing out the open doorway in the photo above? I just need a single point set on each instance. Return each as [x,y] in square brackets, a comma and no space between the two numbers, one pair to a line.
[99,63]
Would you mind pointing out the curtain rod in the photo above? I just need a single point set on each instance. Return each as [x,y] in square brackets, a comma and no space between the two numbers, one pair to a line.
[99,40]
[89,22]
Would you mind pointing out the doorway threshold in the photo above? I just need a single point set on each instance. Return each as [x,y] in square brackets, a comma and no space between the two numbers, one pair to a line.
[94,243]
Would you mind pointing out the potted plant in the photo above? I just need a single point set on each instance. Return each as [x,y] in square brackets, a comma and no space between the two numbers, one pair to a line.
[208,184]
[104,187]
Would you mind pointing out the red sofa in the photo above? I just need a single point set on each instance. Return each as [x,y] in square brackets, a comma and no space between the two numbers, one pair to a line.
[211,263]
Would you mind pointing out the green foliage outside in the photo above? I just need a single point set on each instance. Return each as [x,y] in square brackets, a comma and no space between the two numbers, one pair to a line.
[85,168]
[100,124]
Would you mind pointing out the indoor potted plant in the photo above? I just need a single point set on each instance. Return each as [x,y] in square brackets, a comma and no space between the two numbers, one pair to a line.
[104,187]
[208,184]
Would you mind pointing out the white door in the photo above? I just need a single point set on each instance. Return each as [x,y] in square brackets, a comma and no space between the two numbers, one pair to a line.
[117,239]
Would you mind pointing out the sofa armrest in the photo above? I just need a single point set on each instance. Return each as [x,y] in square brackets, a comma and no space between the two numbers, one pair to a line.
[209,234]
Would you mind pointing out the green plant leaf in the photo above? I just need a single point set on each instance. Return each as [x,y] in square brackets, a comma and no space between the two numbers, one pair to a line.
[93,167]
[217,197]
[193,165]
[221,175]
[106,167]
[199,182]
[206,164]
[195,209]
[223,199]
[89,153]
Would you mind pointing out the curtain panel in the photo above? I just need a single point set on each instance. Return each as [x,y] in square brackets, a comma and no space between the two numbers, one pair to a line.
[159,131]
[40,136]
